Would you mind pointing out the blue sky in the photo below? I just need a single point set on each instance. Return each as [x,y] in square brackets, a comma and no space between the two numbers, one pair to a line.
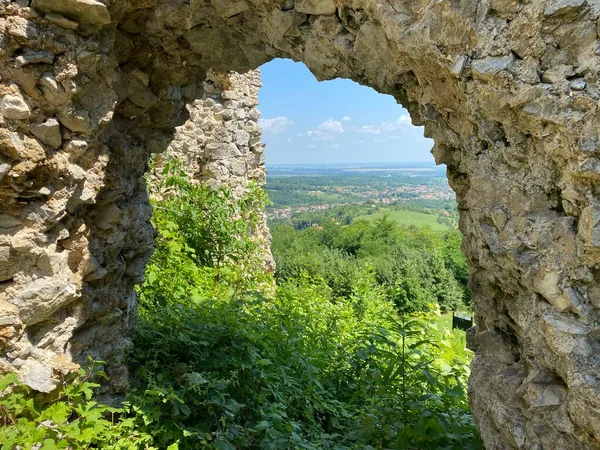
[309,122]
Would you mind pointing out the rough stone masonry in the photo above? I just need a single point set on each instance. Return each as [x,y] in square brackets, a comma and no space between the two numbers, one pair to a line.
[508,89]
[220,144]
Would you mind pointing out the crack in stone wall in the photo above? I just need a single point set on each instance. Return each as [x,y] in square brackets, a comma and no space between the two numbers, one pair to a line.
[508,89]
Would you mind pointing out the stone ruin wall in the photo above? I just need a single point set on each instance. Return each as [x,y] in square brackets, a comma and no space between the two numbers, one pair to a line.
[221,141]
[220,144]
[508,89]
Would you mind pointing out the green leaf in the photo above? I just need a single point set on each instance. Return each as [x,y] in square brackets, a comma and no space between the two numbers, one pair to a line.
[49,444]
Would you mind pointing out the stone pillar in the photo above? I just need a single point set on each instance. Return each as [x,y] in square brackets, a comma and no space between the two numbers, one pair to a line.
[221,142]
[58,93]
[74,213]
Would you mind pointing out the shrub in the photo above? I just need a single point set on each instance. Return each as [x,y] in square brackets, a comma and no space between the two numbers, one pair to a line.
[307,368]
[72,420]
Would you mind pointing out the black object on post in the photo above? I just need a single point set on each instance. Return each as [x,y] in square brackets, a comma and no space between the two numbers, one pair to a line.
[461,321]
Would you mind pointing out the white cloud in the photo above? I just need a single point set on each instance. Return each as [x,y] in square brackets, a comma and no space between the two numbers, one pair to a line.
[335,146]
[404,120]
[311,146]
[346,118]
[376,141]
[320,135]
[331,126]
[372,129]
[326,131]
[275,125]
[362,141]
[289,139]
[400,123]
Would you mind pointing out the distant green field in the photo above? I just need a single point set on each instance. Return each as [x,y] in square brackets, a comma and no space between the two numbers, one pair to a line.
[408,218]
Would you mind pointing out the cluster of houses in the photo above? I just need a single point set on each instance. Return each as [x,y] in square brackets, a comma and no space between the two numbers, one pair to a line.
[385,197]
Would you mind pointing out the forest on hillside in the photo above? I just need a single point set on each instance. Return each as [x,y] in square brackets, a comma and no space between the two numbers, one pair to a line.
[415,267]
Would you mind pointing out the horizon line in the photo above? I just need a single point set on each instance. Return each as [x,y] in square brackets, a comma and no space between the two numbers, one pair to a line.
[353,163]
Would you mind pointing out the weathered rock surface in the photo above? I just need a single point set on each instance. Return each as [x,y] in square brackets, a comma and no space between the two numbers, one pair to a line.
[48,132]
[14,107]
[90,12]
[315,6]
[508,89]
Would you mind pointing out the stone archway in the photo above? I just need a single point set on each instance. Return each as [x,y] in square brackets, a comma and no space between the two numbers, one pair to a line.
[507,88]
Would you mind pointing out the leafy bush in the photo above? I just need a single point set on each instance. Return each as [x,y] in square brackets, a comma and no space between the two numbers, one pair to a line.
[299,371]
[222,368]
[206,245]
[416,267]
[72,420]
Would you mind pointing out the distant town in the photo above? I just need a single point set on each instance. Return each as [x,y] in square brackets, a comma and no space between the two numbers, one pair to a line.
[313,189]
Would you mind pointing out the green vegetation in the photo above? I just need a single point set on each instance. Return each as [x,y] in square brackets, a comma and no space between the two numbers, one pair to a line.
[416,267]
[70,419]
[409,218]
[224,359]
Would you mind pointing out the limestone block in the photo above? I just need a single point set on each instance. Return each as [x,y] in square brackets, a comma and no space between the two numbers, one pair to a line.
[551,397]
[16,148]
[577,303]
[506,6]
[37,376]
[230,95]
[107,216]
[487,68]
[567,335]
[557,7]
[241,138]
[77,147]
[34,57]
[11,144]
[61,21]
[90,12]
[589,226]
[316,7]
[143,98]
[6,266]
[77,121]
[278,23]
[578,85]
[48,133]
[547,282]
[14,107]
[459,65]
[557,74]
[22,28]
[40,298]
[8,222]
[590,168]
[230,8]
[52,90]
[4,169]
